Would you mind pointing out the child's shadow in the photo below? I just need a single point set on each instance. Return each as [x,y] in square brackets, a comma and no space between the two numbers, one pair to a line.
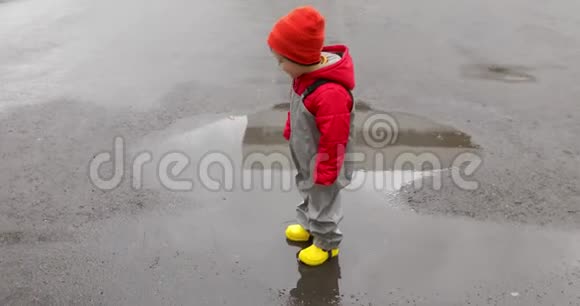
[317,285]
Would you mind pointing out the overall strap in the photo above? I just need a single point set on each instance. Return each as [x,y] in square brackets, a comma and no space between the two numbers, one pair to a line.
[319,83]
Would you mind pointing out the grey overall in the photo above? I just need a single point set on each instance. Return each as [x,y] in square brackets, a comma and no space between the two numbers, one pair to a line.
[321,210]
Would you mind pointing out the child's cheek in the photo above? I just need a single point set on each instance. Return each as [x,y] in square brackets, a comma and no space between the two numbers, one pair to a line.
[282,67]
[286,68]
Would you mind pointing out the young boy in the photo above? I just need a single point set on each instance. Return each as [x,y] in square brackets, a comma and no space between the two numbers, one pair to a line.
[319,127]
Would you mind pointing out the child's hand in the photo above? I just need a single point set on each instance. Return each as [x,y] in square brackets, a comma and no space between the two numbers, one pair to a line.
[287,128]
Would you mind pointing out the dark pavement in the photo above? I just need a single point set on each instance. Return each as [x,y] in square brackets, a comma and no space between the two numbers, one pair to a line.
[190,77]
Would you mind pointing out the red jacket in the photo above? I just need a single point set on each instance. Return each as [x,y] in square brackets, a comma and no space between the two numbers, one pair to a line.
[331,105]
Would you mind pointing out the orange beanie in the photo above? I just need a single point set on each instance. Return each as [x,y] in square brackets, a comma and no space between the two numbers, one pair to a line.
[299,36]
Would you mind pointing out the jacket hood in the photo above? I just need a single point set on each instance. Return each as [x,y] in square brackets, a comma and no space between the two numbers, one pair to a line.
[341,72]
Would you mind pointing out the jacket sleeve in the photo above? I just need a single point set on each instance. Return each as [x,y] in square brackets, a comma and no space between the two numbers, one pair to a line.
[287,128]
[332,113]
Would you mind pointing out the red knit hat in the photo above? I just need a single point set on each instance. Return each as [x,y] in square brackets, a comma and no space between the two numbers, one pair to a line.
[299,36]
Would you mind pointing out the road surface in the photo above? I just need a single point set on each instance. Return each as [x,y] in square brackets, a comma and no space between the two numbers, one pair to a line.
[498,78]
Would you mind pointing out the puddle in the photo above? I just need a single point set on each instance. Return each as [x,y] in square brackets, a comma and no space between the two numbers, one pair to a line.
[210,239]
[209,247]
[316,286]
[502,73]
[379,135]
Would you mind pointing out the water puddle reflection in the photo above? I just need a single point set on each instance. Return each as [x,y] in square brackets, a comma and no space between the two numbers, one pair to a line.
[225,152]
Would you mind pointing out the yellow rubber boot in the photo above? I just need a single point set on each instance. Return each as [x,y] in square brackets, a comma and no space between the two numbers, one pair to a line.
[315,256]
[297,233]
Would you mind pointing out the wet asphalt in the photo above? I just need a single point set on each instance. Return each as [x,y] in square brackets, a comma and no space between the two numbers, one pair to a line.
[494,78]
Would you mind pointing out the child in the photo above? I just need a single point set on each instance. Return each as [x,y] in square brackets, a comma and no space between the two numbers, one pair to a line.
[319,127]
